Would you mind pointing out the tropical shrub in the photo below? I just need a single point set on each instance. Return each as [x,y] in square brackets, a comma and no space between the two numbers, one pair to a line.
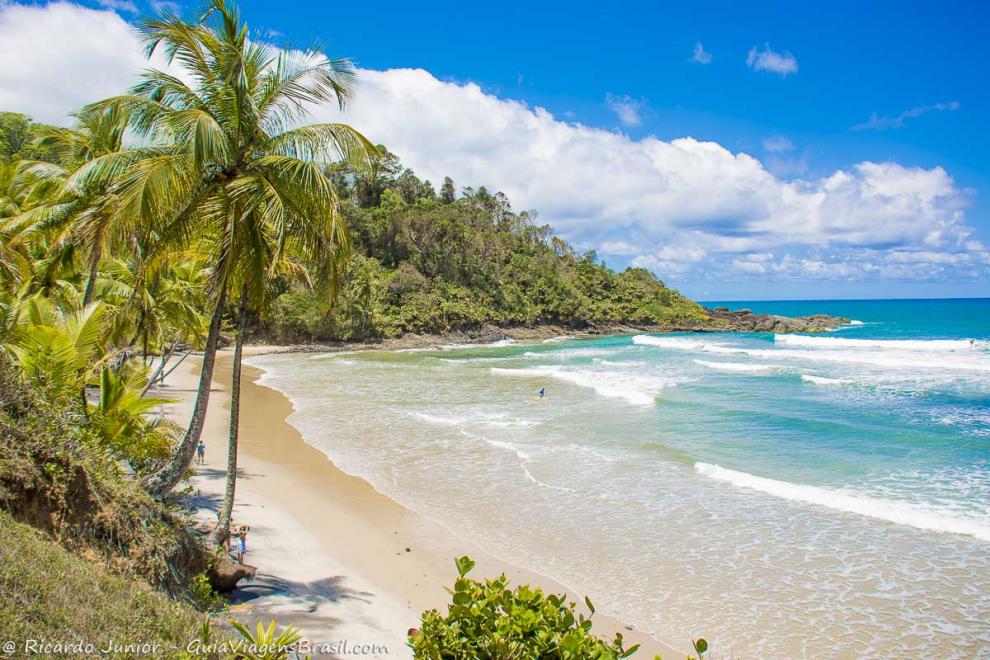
[491,620]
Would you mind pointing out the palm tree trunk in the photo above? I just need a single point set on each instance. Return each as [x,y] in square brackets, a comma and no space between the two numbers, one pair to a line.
[94,269]
[176,365]
[161,366]
[90,288]
[220,532]
[165,479]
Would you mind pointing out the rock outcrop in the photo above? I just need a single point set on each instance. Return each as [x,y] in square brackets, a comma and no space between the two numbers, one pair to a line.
[744,320]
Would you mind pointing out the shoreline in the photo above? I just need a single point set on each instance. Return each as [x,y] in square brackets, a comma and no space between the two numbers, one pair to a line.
[387,563]
[729,321]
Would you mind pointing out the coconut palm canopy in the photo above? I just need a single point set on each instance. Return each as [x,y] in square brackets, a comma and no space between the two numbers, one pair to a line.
[226,158]
[223,178]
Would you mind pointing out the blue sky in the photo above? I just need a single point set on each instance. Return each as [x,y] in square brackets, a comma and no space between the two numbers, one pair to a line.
[807,91]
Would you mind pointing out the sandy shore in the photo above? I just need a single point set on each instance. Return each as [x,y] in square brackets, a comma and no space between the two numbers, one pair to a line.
[335,557]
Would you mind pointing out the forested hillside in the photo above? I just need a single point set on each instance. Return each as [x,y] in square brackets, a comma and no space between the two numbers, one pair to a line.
[429,261]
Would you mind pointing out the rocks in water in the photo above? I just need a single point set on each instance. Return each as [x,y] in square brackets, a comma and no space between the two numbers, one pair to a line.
[744,320]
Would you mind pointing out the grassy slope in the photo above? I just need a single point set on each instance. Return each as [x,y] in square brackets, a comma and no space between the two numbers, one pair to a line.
[48,593]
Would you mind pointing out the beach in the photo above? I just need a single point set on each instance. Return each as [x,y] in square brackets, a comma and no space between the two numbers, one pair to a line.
[335,557]
[780,495]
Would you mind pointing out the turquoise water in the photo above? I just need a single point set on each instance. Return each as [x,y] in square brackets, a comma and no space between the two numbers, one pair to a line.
[806,495]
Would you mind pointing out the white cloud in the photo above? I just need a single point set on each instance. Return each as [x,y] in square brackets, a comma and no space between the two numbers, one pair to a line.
[119,5]
[59,56]
[878,123]
[769,60]
[683,207]
[701,56]
[777,144]
[625,108]
[620,248]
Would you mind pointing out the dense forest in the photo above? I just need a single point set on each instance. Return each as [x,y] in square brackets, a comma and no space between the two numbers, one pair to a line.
[431,262]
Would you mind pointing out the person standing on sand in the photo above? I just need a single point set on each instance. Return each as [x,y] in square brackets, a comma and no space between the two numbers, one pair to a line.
[242,543]
[200,453]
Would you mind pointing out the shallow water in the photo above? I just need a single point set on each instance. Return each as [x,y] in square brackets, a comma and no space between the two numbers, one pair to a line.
[815,496]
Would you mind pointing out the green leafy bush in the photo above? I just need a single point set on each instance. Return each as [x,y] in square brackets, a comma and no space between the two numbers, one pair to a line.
[203,595]
[491,620]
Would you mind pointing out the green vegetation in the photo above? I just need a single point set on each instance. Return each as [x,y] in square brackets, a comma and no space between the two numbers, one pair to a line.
[267,642]
[51,594]
[59,474]
[226,215]
[114,251]
[490,620]
[429,263]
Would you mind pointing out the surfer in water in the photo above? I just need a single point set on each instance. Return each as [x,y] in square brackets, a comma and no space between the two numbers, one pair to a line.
[543,391]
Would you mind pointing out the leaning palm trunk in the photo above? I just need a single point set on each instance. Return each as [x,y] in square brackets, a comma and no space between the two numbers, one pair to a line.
[176,365]
[161,367]
[222,530]
[94,270]
[165,479]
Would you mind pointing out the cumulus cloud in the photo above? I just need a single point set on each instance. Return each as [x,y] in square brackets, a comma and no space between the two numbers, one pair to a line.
[682,202]
[683,207]
[701,56]
[626,109]
[59,56]
[882,123]
[766,59]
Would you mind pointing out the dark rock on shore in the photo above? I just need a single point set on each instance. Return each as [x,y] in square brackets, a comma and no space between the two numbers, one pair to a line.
[744,320]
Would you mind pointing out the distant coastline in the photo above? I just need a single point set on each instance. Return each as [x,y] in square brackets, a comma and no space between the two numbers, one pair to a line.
[721,320]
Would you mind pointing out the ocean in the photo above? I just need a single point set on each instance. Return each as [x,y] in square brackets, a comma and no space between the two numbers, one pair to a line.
[781,495]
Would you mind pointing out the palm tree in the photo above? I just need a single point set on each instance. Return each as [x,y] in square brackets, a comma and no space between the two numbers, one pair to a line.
[222,149]
[122,418]
[81,212]
[58,352]
[265,255]
[61,352]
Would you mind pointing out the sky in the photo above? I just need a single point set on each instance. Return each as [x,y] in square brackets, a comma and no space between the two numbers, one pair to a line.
[775,151]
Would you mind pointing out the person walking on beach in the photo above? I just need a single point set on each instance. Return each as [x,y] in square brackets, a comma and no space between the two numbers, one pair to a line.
[542,391]
[200,453]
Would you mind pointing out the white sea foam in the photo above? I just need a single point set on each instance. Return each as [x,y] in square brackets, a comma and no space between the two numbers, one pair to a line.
[935,354]
[331,355]
[678,343]
[495,344]
[565,354]
[441,420]
[740,366]
[901,513]
[919,345]
[895,359]
[497,420]
[821,380]
[636,389]
[855,322]
[683,344]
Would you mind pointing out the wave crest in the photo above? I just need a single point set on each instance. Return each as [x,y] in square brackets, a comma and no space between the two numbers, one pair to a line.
[901,513]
